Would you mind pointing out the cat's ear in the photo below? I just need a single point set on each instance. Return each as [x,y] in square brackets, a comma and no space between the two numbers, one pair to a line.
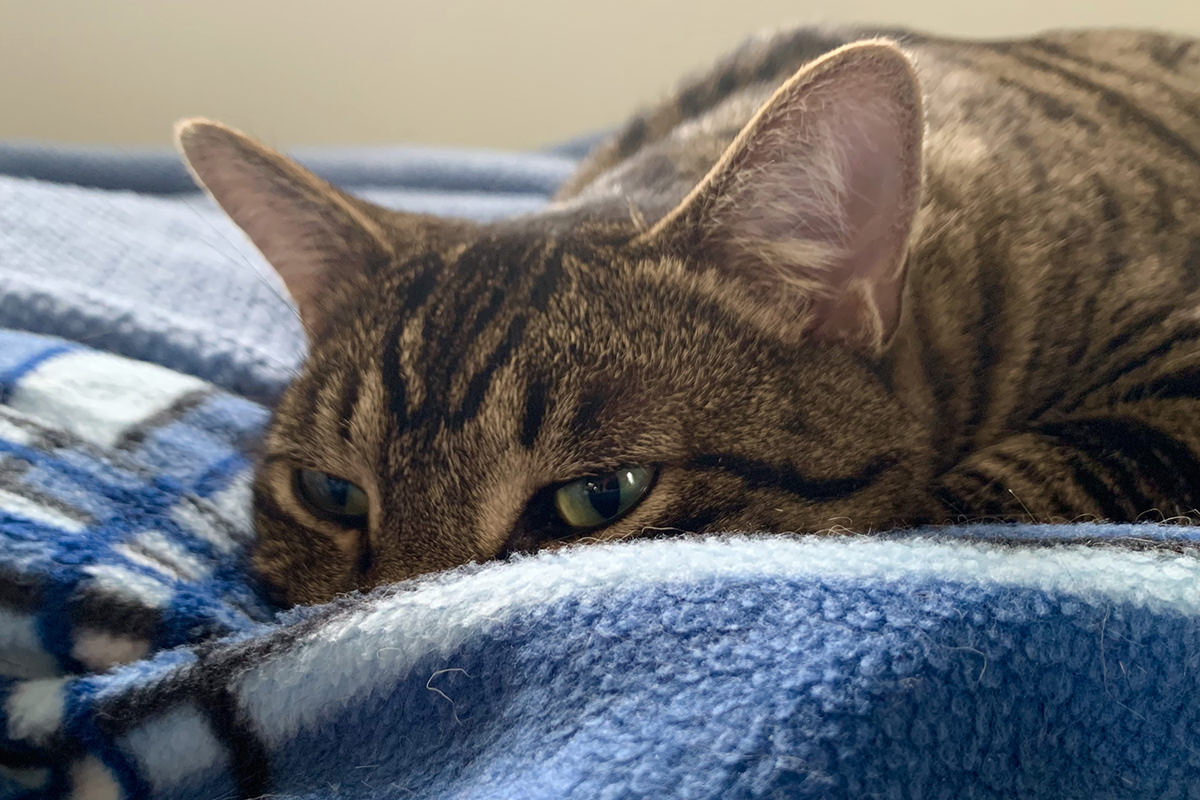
[311,233]
[812,204]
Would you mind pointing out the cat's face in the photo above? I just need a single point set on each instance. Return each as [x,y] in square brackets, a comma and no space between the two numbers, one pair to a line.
[474,391]
[472,411]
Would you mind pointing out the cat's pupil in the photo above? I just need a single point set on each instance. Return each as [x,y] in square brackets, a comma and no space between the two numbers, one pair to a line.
[604,493]
[338,490]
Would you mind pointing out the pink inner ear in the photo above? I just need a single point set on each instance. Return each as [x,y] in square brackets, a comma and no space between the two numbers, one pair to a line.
[816,206]
[878,208]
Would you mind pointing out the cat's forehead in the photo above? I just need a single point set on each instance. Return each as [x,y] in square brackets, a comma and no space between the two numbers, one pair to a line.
[572,295]
[503,323]
[504,273]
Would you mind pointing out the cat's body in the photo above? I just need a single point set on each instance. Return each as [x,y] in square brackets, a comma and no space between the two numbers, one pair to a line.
[807,336]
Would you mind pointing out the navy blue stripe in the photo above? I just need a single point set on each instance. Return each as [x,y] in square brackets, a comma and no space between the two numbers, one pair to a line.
[9,378]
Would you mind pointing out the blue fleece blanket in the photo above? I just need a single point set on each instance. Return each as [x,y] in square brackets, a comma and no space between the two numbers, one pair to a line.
[140,660]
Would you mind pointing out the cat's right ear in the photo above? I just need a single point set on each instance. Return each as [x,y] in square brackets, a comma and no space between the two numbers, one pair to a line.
[311,233]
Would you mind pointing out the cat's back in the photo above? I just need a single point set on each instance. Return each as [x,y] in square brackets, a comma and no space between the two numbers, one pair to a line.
[1031,117]
[1111,93]
[1055,264]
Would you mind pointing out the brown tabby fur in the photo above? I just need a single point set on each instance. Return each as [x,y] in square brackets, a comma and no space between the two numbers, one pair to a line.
[1038,359]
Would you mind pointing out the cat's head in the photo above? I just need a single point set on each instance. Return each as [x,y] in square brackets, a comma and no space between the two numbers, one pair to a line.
[476,390]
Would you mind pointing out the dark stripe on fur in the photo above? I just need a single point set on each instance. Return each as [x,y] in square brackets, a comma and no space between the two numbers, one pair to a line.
[1191,265]
[426,270]
[1036,364]
[482,380]
[1163,203]
[393,381]
[536,399]
[349,401]
[1114,100]
[1089,474]
[547,283]
[1052,107]
[1129,449]
[1032,154]
[634,136]
[1115,68]
[1168,54]
[1029,469]
[992,498]
[993,333]
[1139,328]
[1171,340]
[1176,385]
[583,423]
[1114,232]
[1119,467]
[953,503]
[694,520]
[972,494]
[487,314]
[785,477]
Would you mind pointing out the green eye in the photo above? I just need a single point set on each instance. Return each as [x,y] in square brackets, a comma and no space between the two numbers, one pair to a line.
[331,497]
[599,499]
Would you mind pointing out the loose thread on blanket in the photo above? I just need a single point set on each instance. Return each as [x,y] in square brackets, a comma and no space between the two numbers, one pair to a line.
[446,697]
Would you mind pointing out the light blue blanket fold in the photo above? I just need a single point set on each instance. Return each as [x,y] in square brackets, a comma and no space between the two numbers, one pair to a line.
[159,171]
[139,659]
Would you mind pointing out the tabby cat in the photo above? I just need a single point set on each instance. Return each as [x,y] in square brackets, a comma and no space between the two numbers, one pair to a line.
[837,283]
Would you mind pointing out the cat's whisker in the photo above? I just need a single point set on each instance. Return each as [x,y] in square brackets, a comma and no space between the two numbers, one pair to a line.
[1024,507]
[1149,512]
[233,250]
[635,216]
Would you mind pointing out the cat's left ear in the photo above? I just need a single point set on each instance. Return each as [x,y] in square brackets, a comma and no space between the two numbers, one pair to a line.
[811,207]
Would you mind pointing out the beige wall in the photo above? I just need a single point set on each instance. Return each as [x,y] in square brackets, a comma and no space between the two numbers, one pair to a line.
[508,73]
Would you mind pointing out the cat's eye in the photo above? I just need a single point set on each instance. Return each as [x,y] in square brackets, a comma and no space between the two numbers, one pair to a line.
[331,497]
[600,499]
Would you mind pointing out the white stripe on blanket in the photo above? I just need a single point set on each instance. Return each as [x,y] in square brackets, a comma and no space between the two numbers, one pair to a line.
[35,709]
[318,675]
[98,396]
[35,511]
[13,433]
[175,746]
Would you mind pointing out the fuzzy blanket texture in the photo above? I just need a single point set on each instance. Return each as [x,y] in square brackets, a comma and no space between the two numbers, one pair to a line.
[139,659]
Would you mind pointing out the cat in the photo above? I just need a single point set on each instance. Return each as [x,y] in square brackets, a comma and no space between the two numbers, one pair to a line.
[837,283]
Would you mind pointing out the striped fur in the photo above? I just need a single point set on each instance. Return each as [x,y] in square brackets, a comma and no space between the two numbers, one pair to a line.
[1043,364]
